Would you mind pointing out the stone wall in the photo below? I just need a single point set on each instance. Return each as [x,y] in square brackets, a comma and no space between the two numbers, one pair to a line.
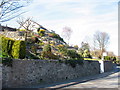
[27,72]
[108,66]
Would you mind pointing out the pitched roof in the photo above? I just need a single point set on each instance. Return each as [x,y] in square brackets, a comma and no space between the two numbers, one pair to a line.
[3,28]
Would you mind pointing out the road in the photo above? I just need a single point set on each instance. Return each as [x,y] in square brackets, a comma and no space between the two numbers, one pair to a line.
[110,81]
[105,80]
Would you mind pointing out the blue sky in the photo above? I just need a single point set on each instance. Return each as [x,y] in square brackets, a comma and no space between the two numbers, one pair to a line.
[83,16]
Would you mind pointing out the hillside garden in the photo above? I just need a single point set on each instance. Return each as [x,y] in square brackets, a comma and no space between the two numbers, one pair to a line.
[45,45]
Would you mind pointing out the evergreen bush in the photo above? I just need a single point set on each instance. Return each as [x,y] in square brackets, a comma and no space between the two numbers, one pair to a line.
[12,48]
[73,54]
[48,55]
[62,49]
[6,44]
[18,49]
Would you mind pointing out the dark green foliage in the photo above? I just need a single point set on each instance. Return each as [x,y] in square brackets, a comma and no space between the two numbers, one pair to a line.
[110,58]
[73,54]
[117,62]
[85,50]
[62,49]
[22,51]
[100,57]
[6,45]
[18,50]
[106,58]
[7,61]
[48,55]
[86,54]
[31,56]
[12,48]
[33,48]
[41,43]
[47,48]
[10,44]
[69,54]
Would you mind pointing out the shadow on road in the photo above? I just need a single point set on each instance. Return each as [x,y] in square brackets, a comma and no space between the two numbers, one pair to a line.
[85,79]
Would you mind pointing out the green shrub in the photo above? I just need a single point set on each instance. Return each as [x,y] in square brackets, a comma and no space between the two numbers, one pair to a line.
[76,46]
[6,45]
[69,54]
[10,44]
[111,58]
[106,58]
[73,54]
[47,48]
[33,49]
[62,49]
[18,50]
[117,62]
[41,43]
[32,56]
[7,61]
[48,55]
[22,52]
[86,54]
[12,48]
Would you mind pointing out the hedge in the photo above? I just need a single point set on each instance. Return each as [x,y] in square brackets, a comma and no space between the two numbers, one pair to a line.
[18,50]
[6,45]
[12,48]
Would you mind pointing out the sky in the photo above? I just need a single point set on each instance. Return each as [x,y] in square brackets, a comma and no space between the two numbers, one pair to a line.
[84,17]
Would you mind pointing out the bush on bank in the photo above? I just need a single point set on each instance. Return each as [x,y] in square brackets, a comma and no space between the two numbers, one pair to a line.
[12,48]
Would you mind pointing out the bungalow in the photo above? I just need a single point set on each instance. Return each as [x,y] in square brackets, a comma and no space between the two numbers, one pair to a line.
[6,28]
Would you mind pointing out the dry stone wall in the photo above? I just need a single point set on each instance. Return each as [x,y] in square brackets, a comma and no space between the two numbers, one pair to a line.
[108,66]
[29,72]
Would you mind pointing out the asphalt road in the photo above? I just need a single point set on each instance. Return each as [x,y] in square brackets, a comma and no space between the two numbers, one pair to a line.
[111,81]
[105,80]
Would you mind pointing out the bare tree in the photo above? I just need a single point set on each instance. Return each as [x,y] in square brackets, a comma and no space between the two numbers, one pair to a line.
[66,33]
[28,24]
[25,23]
[101,40]
[10,9]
